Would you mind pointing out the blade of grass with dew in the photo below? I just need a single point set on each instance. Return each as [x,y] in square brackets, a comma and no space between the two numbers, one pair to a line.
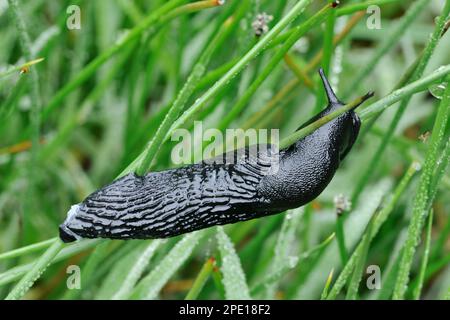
[234,281]
[201,279]
[422,196]
[218,282]
[121,279]
[149,287]
[95,258]
[116,276]
[352,292]
[442,162]
[388,281]
[423,266]
[101,266]
[401,83]
[278,274]
[399,94]
[26,250]
[21,288]
[380,219]
[283,247]
[134,114]
[19,271]
[340,236]
[136,271]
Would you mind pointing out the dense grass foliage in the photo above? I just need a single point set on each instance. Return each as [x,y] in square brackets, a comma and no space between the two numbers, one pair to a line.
[82,106]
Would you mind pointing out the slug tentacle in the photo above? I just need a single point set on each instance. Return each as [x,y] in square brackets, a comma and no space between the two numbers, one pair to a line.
[259,182]
[331,96]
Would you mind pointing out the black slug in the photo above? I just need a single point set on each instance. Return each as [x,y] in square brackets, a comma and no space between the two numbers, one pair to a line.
[172,202]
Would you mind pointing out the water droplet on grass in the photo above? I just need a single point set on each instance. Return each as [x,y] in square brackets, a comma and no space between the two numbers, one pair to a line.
[437,90]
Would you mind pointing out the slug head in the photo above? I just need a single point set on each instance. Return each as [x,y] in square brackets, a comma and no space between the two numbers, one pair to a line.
[344,129]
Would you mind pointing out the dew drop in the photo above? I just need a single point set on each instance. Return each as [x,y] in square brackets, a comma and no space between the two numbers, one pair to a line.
[417,166]
[437,90]
[292,261]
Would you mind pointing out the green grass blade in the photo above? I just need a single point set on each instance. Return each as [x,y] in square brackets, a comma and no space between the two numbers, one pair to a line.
[361,6]
[352,292]
[136,270]
[327,286]
[283,258]
[149,287]
[234,281]
[426,252]
[21,288]
[397,95]
[201,279]
[19,271]
[422,196]
[27,249]
[278,274]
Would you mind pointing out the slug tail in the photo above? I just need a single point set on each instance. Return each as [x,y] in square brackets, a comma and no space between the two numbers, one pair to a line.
[331,96]
[66,235]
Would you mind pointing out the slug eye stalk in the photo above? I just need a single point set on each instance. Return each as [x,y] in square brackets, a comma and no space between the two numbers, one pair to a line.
[331,96]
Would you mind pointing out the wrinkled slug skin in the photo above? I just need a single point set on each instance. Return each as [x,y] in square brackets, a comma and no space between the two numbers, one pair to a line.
[172,202]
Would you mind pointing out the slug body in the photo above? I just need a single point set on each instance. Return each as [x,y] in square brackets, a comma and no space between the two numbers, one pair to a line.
[172,202]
